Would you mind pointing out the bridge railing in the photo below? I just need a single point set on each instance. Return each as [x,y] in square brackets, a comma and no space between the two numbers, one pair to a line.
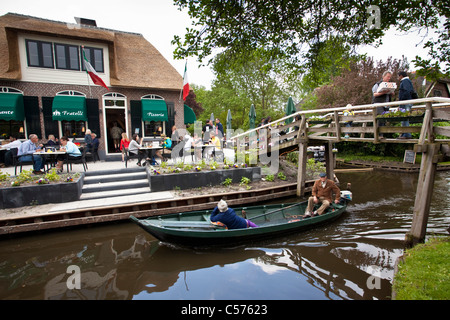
[366,121]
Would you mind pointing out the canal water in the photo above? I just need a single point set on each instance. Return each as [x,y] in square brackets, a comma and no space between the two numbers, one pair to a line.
[351,258]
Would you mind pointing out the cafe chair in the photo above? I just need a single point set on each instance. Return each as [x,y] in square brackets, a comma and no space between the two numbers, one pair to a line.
[17,162]
[93,155]
[218,155]
[129,156]
[78,160]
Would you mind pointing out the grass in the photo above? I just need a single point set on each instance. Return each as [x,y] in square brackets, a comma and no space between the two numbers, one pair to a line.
[425,272]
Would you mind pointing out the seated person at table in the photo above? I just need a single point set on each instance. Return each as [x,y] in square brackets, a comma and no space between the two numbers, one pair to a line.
[187,144]
[95,141]
[166,144]
[26,150]
[134,146]
[215,141]
[52,141]
[197,144]
[228,217]
[15,143]
[72,152]
[88,141]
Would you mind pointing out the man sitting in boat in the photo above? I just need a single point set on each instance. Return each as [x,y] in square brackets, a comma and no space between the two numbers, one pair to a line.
[228,217]
[322,192]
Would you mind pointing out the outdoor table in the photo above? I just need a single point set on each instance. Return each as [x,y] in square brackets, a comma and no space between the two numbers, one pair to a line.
[204,149]
[52,155]
[150,151]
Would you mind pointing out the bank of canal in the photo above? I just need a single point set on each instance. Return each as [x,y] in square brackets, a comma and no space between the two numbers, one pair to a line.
[351,258]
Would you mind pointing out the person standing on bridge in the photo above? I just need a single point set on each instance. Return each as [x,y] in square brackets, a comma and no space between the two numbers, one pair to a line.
[382,96]
[322,192]
[406,91]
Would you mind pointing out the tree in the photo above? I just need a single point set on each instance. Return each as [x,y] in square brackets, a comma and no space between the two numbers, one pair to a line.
[191,102]
[296,29]
[354,86]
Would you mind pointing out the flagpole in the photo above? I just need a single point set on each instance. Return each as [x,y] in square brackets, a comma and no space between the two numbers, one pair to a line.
[87,74]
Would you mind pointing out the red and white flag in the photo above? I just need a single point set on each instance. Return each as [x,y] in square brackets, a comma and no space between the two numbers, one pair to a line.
[91,72]
[185,83]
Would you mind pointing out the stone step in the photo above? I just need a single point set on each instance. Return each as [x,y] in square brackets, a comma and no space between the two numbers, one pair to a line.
[114,193]
[114,171]
[126,176]
[117,185]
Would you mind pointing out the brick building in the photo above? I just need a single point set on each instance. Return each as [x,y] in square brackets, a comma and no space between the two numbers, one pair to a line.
[44,88]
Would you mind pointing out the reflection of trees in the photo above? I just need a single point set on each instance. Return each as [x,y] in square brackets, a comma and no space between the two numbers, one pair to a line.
[345,281]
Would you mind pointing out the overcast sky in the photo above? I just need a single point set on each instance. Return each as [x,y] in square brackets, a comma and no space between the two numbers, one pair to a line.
[159,20]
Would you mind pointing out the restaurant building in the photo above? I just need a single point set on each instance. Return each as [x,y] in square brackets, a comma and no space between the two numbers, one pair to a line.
[45,89]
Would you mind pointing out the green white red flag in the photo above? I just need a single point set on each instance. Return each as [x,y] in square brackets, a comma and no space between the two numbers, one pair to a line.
[185,83]
[92,73]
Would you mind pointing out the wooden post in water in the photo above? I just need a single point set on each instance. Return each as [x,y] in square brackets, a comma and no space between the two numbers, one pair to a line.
[424,193]
[329,160]
[302,157]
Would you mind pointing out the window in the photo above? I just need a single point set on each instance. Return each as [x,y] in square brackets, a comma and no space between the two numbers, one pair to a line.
[153,128]
[95,58]
[39,54]
[44,54]
[67,57]
[73,129]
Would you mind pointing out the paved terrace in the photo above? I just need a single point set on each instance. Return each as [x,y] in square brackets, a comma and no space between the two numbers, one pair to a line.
[112,168]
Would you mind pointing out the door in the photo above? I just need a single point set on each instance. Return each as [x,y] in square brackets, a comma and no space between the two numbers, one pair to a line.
[115,121]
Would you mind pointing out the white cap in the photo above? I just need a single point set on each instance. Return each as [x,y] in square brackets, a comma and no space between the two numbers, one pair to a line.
[222,205]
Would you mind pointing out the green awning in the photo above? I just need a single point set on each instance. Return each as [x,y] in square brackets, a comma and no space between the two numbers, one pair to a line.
[154,110]
[69,108]
[11,107]
[189,115]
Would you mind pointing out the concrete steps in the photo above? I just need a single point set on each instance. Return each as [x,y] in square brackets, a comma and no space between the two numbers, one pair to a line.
[115,183]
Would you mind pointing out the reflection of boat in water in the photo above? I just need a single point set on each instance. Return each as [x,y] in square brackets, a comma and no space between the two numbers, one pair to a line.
[195,228]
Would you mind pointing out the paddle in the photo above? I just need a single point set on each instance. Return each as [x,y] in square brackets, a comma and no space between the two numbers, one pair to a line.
[264,214]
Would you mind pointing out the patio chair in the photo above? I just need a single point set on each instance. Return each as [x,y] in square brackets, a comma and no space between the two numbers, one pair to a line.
[17,162]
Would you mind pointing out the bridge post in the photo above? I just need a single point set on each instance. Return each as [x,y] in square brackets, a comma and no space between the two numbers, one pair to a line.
[424,193]
[329,160]
[302,137]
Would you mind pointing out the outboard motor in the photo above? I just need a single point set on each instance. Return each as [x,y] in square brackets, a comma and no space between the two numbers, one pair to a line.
[346,196]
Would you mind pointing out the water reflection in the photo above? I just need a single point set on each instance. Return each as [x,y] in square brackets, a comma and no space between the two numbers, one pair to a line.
[334,262]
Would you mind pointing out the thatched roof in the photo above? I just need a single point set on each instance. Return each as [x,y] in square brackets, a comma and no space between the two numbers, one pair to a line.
[133,61]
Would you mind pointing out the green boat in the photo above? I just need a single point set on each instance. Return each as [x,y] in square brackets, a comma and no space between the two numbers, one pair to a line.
[195,228]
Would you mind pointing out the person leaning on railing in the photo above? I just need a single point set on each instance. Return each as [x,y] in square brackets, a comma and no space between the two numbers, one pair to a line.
[382,96]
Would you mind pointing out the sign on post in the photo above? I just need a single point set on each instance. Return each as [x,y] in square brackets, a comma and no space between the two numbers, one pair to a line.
[410,157]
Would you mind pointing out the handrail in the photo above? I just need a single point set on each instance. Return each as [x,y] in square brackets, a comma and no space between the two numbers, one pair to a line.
[441,101]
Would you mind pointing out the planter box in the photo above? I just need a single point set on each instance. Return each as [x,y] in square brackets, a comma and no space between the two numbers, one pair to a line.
[200,179]
[21,196]
[411,119]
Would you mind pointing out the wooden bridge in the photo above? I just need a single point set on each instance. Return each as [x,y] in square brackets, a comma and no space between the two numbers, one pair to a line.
[328,126]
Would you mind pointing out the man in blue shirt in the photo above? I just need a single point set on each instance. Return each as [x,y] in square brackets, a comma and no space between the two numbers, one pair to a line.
[26,150]
[405,93]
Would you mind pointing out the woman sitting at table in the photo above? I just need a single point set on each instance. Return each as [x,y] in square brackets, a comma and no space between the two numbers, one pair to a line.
[72,152]
[167,145]
[134,146]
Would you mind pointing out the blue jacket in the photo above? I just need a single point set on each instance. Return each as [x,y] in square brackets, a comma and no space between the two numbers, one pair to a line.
[406,89]
[229,218]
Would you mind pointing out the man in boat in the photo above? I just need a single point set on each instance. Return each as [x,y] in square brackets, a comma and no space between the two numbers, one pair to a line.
[228,217]
[322,192]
